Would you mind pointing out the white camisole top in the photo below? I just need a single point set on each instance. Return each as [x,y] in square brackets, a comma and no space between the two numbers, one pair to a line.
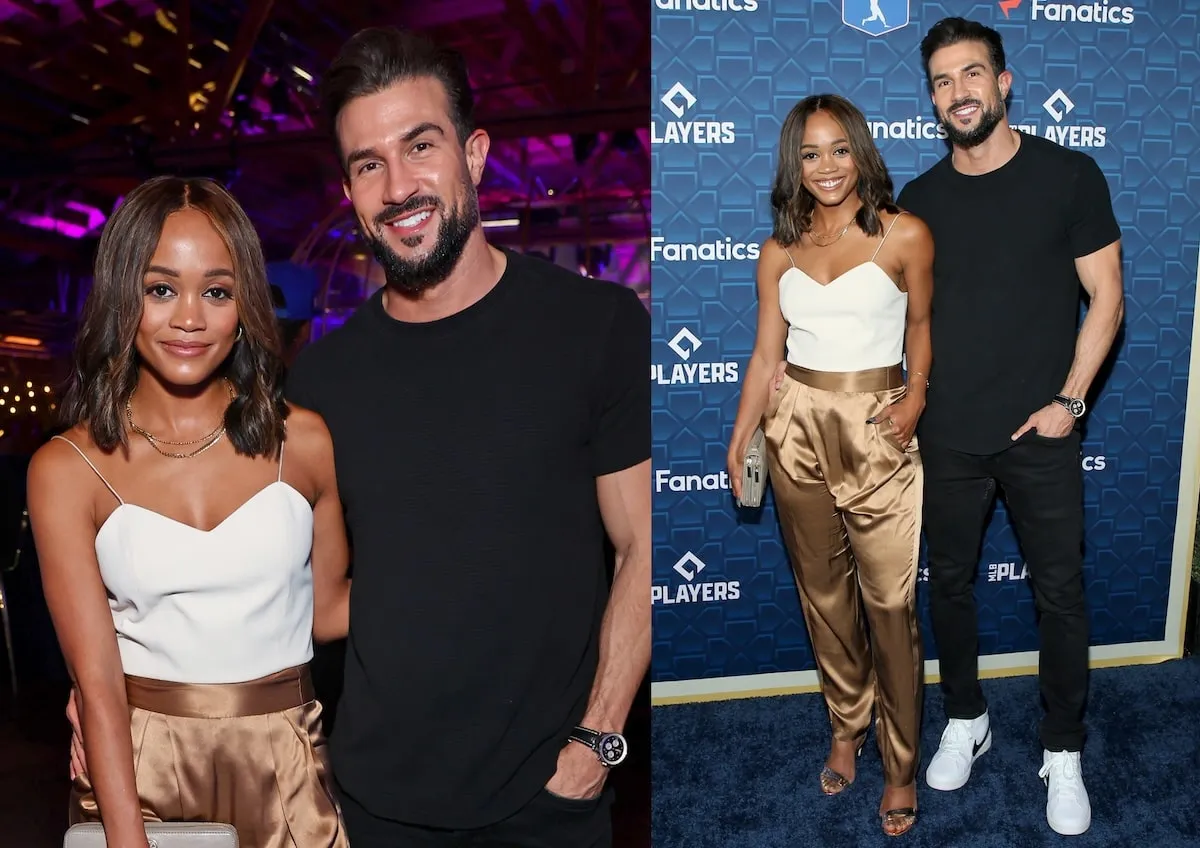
[225,605]
[854,322]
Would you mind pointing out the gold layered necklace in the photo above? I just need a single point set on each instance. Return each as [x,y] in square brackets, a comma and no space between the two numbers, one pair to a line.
[205,442]
[826,240]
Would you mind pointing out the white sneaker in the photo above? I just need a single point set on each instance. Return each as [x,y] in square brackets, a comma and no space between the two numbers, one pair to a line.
[963,742]
[1068,810]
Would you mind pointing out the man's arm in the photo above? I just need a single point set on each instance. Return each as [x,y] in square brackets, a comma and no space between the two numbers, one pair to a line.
[625,632]
[1100,274]
[620,448]
[1095,239]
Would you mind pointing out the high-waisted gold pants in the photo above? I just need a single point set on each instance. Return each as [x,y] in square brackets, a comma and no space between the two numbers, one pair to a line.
[251,754]
[849,504]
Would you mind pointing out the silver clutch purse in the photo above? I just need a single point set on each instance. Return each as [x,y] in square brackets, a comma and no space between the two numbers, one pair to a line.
[160,835]
[754,471]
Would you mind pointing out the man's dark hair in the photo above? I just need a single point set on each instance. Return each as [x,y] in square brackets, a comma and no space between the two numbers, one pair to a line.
[950,31]
[379,57]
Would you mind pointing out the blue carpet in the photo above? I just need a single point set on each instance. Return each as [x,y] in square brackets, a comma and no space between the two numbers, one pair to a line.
[743,774]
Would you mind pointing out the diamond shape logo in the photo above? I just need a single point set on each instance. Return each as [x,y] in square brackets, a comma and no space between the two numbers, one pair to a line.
[875,17]
[685,344]
[689,566]
[674,95]
[1058,105]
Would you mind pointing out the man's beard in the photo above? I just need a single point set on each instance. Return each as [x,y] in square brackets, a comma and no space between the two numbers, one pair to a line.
[413,276]
[989,119]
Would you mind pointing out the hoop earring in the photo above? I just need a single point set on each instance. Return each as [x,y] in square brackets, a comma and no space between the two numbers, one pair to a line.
[238,337]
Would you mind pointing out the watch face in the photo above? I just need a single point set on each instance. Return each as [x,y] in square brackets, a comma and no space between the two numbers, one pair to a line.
[1076,407]
[612,748]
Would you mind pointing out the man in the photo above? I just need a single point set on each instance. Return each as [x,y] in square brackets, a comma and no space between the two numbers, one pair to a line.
[293,290]
[491,419]
[1019,224]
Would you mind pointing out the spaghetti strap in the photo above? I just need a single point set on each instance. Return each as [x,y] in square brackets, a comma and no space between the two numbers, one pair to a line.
[788,253]
[91,465]
[887,233]
[279,479]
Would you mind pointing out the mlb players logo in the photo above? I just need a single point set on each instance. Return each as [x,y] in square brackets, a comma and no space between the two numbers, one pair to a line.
[875,17]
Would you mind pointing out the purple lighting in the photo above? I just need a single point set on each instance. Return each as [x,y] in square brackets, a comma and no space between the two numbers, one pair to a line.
[95,217]
[62,226]
[55,225]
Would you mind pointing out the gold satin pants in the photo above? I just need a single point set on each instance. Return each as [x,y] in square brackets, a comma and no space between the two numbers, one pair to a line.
[248,754]
[849,504]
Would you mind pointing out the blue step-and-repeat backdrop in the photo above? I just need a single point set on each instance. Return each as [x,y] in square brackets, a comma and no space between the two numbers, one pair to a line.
[1116,81]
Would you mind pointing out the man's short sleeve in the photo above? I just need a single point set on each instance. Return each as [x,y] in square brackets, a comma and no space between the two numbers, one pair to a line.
[621,431]
[1093,224]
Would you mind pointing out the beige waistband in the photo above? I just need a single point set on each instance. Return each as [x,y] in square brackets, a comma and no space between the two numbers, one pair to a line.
[274,693]
[870,380]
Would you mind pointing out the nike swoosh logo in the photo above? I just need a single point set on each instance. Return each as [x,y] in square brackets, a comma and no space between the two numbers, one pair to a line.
[978,745]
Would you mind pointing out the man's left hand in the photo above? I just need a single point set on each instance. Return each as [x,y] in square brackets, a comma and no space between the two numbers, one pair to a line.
[1052,421]
[580,774]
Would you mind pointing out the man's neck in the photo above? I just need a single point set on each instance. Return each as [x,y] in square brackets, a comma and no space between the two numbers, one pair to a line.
[476,273]
[994,153]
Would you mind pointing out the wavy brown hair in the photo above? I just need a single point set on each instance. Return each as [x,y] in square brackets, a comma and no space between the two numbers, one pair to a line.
[105,368]
[792,204]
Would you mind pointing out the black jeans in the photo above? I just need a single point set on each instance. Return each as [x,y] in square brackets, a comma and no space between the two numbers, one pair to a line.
[547,821]
[1042,485]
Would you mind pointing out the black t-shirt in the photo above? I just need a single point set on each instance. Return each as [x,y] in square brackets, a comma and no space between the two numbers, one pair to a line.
[1005,314]
[467,452]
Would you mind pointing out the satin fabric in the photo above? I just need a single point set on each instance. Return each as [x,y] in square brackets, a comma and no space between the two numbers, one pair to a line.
[849,503]
[248,754]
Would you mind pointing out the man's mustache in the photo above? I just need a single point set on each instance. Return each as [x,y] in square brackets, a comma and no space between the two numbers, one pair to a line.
[413,204]
[970,101]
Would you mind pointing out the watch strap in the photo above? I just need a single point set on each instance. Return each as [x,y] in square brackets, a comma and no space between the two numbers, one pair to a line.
[609,748]
[586,736]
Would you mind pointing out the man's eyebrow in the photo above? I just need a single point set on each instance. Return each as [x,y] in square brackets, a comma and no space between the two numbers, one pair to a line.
[371,153]
[971,67]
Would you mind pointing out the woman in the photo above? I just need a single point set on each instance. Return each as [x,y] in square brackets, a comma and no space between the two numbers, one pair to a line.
[188,560]
[844,285]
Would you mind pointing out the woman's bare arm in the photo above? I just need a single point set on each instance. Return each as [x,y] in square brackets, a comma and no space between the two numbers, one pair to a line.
[309,437]
[62,515]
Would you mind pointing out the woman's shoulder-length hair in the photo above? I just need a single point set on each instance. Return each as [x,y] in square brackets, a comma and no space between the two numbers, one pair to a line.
[105,364]
[792,204]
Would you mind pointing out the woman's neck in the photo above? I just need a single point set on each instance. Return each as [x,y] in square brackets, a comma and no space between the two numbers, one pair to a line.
[179,412]
[828,219]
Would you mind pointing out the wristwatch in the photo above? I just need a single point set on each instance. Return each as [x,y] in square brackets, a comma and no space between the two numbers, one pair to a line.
[609,747]
[1075,406]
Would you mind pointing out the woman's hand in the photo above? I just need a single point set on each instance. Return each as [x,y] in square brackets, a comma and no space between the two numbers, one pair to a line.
[780,370]
[737,455]
[899,421]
